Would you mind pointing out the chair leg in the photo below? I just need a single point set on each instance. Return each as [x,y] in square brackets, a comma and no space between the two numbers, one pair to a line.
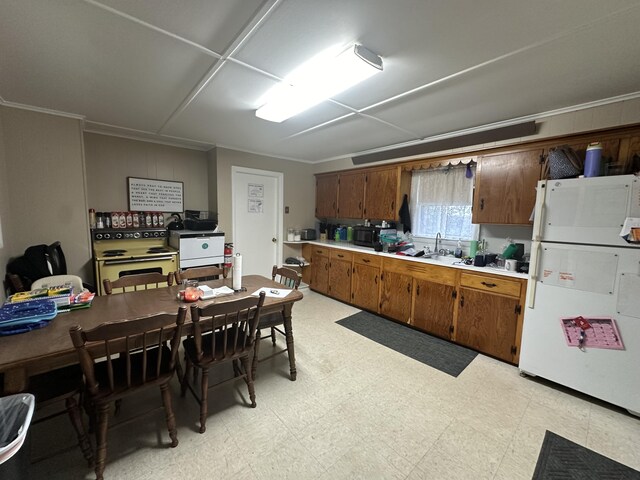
[118,404]
[76,420]
[203,399]
[101,439]
[168,412]
[290,350]
[252,391]
[256,351]
[273,336]
[184,383]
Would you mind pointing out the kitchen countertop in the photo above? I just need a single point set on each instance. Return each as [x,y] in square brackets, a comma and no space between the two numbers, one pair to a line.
[443,261]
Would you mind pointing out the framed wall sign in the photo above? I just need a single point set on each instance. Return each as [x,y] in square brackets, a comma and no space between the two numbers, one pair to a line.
[155,195]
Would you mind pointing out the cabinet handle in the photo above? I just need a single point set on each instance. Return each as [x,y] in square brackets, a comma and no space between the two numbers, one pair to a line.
[375,280]
[366,260]
[489,285]
[418,290]
[359,205]
[340,255]
[482,204]
[409,287]
[326,266]
[462,300]
[393,205]
[382,277]
[348,272]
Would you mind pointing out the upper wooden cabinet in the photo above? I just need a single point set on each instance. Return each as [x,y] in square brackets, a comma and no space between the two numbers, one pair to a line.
[351,195]
[373,193]
[327,196]
[381,194]
[505,190]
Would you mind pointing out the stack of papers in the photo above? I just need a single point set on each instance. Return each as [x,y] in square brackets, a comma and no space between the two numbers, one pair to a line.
[209,293]
[272,292]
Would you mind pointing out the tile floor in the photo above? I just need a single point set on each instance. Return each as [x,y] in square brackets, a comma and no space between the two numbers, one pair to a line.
[357,410]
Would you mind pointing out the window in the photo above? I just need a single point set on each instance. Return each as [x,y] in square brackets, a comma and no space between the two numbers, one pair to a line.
[441,203]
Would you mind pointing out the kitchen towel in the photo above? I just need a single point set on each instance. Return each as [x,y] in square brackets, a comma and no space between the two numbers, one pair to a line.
[237,272]
[404,214]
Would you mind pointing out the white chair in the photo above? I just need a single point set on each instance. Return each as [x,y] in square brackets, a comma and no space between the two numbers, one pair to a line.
[57,280]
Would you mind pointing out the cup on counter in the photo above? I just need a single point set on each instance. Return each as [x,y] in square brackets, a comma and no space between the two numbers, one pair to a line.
[511,265]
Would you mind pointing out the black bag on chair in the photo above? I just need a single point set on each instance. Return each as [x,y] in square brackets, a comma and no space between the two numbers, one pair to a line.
[563,162]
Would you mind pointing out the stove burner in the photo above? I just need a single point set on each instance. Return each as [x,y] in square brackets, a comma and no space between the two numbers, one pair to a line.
[158,250]
[115,253]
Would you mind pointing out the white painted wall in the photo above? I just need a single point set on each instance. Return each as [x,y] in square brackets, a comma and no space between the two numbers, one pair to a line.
[45,186]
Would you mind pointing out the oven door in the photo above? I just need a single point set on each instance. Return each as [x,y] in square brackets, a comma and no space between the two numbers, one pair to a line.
[116,268]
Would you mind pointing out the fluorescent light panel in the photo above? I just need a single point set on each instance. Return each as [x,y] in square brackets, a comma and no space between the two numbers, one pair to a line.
[320,78]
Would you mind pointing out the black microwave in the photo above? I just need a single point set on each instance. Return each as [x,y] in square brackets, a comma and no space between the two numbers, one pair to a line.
[369,236]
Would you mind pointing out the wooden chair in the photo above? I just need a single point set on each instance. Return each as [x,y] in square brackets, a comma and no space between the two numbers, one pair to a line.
[200,273]
[290,279]
[139,281]
[222,332]
[132,355]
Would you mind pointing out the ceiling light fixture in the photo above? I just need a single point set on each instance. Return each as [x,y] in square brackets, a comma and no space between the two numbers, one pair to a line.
[318,79]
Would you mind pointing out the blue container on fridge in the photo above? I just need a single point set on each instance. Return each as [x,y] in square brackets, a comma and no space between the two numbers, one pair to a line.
[592,160]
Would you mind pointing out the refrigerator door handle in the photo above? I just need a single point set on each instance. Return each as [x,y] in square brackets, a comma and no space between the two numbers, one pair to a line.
[533,274]
[538,211]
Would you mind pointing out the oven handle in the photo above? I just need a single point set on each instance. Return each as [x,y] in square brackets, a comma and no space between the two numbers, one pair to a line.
[137,260]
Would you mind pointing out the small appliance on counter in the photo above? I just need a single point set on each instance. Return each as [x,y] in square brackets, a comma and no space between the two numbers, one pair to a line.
[370,236]
[198,248]
[176,223]
[200,221]
[308,234]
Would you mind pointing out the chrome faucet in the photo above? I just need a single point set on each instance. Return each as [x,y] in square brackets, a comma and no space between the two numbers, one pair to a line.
[438,237]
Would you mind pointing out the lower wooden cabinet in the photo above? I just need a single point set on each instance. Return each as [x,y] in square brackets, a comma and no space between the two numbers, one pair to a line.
[433,307]
[365,281]
[340,274]
[487,322]
[478,310]
[490,314]
[395,295]
[320,270]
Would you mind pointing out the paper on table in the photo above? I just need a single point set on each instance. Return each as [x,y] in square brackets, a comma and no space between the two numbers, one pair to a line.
[272,292]
[208,292]
[631,230]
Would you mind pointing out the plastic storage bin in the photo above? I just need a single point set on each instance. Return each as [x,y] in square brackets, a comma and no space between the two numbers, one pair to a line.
[16,412]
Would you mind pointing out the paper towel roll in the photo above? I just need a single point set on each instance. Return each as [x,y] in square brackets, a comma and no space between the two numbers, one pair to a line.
[237,271]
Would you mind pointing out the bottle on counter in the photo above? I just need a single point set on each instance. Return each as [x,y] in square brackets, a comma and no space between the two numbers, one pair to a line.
[458,251]
[290,235]
[115,220]
[92,218]
[141,220]
[296,236]
[147,220]
[122,220]
[154,219]
[129,219]
[160,219]
[135,219]
[99,220]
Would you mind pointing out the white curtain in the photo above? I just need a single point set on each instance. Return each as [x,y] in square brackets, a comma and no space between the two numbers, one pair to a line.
[441,203]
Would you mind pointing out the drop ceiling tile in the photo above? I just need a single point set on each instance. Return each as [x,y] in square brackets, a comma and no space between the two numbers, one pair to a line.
[74,57]
[211,23]
[556,75]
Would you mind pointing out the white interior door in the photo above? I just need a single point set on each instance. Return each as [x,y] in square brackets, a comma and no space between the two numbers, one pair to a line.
[257,219]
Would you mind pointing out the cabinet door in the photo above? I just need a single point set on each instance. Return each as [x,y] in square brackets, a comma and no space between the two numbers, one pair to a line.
[326,196]
[487,322]
[340,279]
[433,308]
[380,194]
[505,191]
[350,195]
[395,296]
[365,286]
[320,272]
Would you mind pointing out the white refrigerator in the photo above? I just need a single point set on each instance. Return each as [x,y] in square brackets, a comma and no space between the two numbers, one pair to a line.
[582,317]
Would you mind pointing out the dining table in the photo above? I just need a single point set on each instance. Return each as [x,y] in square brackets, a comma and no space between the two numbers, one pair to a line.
[46,349]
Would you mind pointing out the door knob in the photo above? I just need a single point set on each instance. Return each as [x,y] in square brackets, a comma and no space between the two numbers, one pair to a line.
[274,239]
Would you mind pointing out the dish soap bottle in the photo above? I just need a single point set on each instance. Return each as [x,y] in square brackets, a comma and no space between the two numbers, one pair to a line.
[458,252]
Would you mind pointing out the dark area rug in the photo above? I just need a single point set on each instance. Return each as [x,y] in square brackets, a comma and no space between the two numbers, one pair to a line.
[562,459]
[435,352]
